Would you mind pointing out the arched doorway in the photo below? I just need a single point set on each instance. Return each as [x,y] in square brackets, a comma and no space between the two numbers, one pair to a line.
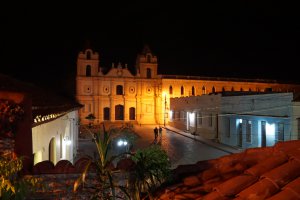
[132,113]
[52,151]
[106,113]
[119,112]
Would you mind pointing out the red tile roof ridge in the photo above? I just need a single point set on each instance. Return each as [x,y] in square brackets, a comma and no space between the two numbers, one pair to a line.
[267,165]
[284,173]
[235,185]
[294,187]
[253,156]
[262,189]
[285,195]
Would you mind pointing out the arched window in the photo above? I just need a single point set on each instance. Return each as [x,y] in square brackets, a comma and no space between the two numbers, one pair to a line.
[250,90]
[193,91]
[106,112]
[223,89]
[119,112]
[241,90]
[119,90]
[170,89]
[132,113]
[232,89]
[148,58]
[148,73]
[203,90]
[88,55]
[88,70]
[182,90]
[213,89]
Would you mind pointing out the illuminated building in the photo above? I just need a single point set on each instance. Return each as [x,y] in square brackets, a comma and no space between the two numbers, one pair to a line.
[144,97]
[242,119]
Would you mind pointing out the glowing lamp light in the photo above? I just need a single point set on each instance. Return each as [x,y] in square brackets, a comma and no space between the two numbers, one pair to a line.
[122,143]
[192,116]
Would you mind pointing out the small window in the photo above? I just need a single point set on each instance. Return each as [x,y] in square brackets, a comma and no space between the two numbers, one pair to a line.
[193,91]
[229,127]
[148,58]
[148,73]
[210,119]
[131,113]
[182,90]
[213,89]
[280,131]
[203,90]
[170,89]
[119,90]
[88,55]
[249,131]
[88,70]
[199,118]
[106,113]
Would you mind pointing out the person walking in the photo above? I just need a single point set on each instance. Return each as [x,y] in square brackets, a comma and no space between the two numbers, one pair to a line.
[160,131]
[155,132]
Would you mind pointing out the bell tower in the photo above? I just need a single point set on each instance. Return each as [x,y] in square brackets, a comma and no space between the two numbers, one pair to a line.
[146,64]
[88,63]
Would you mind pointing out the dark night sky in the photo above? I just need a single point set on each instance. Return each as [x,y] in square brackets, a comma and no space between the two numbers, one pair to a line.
[251,39]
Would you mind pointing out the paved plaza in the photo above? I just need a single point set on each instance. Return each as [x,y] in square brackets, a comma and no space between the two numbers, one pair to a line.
[181,147]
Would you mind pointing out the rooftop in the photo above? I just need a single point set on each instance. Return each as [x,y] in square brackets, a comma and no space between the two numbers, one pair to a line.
[257,173]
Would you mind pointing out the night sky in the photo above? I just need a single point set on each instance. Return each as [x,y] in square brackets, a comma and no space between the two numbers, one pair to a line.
[248,39]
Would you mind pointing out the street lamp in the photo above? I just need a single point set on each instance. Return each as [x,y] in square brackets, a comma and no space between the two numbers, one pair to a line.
[123,143]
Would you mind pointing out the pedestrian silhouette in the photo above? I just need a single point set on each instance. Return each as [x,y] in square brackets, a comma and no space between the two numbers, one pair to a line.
[155,132]
[160,131]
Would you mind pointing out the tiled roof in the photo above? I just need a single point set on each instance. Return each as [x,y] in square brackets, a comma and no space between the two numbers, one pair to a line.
[44,102]
[258,173]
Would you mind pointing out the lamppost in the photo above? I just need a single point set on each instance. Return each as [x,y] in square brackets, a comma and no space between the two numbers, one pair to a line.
[165,110]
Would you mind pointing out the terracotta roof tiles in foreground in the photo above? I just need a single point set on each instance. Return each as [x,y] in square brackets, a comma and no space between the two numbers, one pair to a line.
[257,173]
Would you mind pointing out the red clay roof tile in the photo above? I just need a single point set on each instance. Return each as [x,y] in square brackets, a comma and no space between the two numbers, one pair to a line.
[284,173]
[276,168]
[267,165]
[235,185]
[260,190]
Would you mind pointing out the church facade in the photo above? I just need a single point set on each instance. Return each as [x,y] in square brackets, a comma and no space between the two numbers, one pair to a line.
[144,97]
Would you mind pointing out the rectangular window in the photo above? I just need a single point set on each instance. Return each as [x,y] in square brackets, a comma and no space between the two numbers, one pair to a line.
[228,130]
[249,131]
[181,116]
[177,116]
[280,131]
[89,107]
[199,118]
[210,119]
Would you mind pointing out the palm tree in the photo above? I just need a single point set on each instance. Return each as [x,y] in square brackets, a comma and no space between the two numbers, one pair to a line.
[151,170]
[109,188]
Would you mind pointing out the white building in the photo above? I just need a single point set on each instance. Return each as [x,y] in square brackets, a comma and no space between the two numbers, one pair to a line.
[49,128]
[243,119]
